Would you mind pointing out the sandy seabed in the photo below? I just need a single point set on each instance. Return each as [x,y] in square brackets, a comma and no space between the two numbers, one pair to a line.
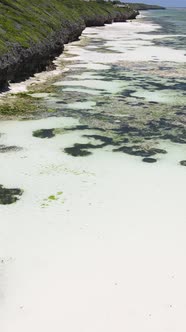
[95,244]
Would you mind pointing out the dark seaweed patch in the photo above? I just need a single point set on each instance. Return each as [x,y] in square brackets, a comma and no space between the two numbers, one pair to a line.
[75,151]
[125,129]
[9,196]
[175,139]
[61,102]
[183,162]
[82,150]
[44,133]
[101,103]
[104,139]
[149,160]
[137,150]
[4,148]
[79,127]
[127,93]
[180,113]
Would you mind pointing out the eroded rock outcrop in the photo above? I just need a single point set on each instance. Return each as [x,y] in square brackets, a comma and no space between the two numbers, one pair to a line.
[32,35]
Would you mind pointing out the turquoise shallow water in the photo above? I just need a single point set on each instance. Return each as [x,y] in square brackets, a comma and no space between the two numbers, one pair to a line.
[173,24]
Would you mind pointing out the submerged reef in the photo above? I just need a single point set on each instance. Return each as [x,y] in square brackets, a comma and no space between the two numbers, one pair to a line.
[130,108]
[137,150]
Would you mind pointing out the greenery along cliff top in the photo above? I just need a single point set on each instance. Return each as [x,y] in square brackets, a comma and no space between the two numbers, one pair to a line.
[25,22]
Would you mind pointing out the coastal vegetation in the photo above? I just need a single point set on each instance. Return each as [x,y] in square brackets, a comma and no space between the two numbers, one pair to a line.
[33,33]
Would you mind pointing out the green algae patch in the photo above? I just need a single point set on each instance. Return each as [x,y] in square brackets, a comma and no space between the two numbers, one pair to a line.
[9,196]
[53,198]
[50,110]
[19,105]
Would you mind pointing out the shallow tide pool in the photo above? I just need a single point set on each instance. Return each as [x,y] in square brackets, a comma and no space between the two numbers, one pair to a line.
[92,230]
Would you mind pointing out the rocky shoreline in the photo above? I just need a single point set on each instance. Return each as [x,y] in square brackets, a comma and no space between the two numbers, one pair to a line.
[20,62]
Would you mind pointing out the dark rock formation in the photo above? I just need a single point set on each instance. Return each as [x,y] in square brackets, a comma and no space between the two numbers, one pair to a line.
[21,63]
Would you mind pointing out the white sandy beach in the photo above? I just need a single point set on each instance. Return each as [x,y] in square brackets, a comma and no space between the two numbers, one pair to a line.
[108,253]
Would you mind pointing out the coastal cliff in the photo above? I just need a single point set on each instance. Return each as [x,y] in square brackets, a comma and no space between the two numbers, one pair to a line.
[33,33]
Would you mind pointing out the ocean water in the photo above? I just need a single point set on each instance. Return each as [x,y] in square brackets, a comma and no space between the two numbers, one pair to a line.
[127,81]
[95,239]
[173,25]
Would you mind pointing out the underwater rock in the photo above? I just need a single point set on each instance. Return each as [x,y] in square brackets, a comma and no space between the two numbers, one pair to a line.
[9,196]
